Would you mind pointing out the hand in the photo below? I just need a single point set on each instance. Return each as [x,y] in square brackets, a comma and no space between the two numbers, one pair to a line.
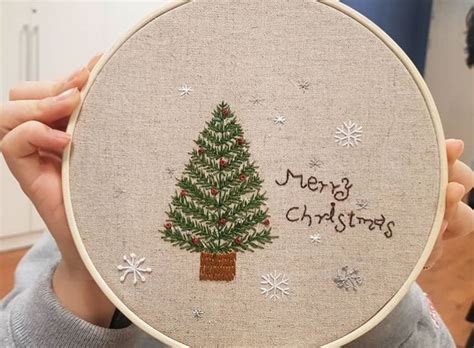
[459,217]
[32,140]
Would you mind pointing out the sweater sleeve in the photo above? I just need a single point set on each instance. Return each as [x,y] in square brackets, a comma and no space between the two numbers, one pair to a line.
[31,315]
[413,323]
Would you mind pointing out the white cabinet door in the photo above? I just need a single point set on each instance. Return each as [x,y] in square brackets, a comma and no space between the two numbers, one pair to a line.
[68,35]
[123,16]
[14,27]
[15,207]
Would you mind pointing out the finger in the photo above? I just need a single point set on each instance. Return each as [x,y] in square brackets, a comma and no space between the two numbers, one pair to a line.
[438,248]
[20,148]
[462,223]
[454,194]
[94,61]
[462,174]
[454,150]
[60,124]
[55,155]
[47,110]
[27,90]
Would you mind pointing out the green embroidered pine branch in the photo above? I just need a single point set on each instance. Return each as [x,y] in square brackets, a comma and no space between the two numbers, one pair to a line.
[217,152]
[221,139]
[199,196]
[189,225]
[233,195]
[184,241]
[247,169]
[234,163]
[219,207]
[247,223]
[220,127]
[208,164]
[224,130]
[188,207]
[246,205]
[201,176]
[231,151]
[255,240]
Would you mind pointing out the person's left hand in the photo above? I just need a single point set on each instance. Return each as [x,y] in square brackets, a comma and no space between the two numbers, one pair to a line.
[32,141]
[459,217]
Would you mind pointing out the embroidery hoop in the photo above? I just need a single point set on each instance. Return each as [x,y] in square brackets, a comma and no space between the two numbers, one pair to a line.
[379,316]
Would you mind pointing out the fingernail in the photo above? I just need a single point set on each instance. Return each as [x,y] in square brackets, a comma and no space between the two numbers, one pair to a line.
[460,144]
[98,54]
[457,191]
[93,60]
[60,135]
[65,95]
[75,74]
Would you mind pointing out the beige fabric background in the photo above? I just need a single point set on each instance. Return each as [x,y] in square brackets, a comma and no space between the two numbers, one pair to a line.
[134,124]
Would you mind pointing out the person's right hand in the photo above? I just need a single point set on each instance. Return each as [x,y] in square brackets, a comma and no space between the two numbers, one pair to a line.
[32,140]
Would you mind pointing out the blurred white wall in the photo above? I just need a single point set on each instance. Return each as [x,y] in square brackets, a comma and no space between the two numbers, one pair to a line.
[450,80]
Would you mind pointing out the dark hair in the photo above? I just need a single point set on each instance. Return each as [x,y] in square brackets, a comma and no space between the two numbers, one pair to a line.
[470,37]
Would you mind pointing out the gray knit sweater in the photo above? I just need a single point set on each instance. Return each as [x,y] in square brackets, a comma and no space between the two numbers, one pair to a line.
[31,316]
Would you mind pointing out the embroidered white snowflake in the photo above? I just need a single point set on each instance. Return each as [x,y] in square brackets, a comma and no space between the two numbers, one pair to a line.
[349,134]
[197,313]
[118,192]
[279,120]
[170,172]
[133,266]
[362,204]
[346,279]
[275,285]
[185,90]
[315,238]
[303,85]
[257,101]
[315,163]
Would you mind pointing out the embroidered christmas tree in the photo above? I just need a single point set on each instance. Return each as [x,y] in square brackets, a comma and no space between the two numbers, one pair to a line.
[219,208]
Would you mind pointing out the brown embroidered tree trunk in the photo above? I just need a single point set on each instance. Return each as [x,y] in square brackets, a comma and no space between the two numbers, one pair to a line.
[217,266]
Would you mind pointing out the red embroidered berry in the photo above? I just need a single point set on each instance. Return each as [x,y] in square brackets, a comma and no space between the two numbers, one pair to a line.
[240,141]
[242,177]
[225,112]
[222,221]
[237,240]
[196,240]
[266,222]
[222,163]
[168,225]
[214,191]
[183,193]
[201,150]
